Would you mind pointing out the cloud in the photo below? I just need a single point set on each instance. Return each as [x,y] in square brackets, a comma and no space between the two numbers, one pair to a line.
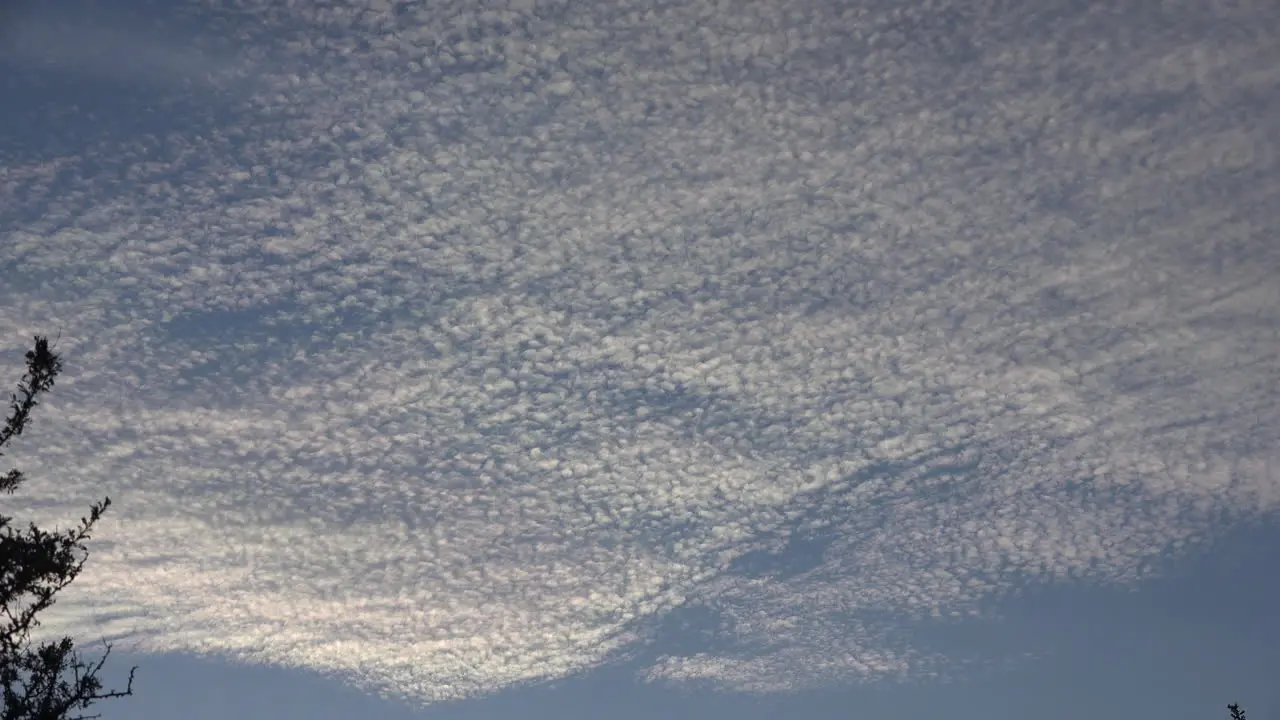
[504,333]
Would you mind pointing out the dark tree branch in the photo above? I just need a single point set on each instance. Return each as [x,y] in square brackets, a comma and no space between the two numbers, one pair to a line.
[50,680]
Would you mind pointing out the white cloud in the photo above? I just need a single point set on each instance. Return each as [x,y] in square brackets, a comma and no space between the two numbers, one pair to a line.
[512,332]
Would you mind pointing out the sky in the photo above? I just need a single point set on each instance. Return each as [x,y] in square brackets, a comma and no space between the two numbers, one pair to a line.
[633,358]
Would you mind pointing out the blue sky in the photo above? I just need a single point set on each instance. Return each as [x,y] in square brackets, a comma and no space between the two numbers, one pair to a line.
[654,359]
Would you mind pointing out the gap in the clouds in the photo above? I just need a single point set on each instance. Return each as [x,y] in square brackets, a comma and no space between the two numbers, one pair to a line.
[234,342]
[1195,604]
[684,631]
[80,77]
[194,687]
[801,553]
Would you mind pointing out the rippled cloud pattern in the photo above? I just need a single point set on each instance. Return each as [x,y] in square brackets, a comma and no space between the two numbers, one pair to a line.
[453,346]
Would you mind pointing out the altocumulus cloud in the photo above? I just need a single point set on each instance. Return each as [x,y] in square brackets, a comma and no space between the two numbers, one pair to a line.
[498,332]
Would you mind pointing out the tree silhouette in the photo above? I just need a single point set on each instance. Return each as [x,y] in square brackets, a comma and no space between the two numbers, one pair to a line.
[1236,712]
[48,681]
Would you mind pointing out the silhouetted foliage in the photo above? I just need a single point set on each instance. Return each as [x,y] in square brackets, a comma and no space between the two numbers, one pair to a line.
[48,681]
[1236,712]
